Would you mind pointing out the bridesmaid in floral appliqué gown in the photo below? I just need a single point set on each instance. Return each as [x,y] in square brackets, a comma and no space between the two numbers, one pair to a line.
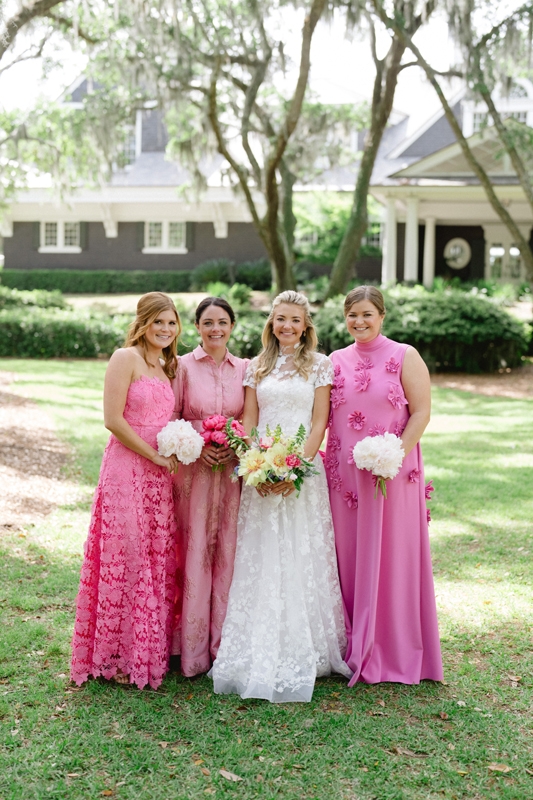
[209,381]
[124,605]
[382,544]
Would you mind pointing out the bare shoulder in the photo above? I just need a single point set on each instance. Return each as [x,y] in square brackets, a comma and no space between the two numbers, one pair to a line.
[414,366]
[123,360]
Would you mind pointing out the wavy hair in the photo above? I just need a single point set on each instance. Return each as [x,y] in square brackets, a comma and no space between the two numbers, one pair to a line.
[303,354]
[148,309]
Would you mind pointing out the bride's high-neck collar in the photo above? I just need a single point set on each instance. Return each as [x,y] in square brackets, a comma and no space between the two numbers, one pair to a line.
[288,349]
[374,344]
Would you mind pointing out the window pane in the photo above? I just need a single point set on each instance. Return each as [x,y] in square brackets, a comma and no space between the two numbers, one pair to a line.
[50,234]
[480,121]
[496,254]
[72,234]
[155,234]
[176,234]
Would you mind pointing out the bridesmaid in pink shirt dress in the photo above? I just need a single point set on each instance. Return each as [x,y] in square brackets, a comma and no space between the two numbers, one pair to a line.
[209,381]
[382,544]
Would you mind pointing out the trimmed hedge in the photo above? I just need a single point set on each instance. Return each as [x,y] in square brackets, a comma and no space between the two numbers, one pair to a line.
[59,334]
[13,298]
[255,274]
[452,330]
[74,281]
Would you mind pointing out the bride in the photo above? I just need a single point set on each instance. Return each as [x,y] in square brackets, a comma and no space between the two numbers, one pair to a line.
[284,625]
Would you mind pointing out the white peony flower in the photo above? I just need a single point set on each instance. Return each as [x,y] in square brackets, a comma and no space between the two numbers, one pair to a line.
[179,438]
[380,455]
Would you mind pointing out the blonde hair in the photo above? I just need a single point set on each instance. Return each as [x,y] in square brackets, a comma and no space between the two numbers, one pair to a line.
[148,309]
[364,293]
[303,354]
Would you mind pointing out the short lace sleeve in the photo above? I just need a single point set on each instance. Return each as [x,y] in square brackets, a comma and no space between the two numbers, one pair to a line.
[249,375]
[323,371]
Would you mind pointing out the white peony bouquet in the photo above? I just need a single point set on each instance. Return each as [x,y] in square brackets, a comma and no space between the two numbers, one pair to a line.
[180,439]
[382,456]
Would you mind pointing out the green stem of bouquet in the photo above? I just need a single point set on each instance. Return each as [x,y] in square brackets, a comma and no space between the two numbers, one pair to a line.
[382,485]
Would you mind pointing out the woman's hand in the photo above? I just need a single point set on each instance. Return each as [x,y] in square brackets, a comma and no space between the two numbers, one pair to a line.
[217,456]
[170,463]
[284,488]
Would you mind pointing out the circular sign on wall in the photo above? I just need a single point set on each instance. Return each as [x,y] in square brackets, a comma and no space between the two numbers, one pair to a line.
[457,253]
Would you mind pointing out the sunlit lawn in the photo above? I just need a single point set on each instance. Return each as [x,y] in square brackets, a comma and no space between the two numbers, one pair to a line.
[470,738]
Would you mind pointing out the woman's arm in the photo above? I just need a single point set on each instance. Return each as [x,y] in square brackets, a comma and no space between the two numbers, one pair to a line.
[417,387]
[119,375]
[250,416]
[319,421]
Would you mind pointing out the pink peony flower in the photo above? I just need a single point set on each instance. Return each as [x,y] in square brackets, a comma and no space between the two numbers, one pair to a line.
[396,396]
[334,442]
[428,515]
[356,420]
[428,489]
[392,365]
[266,441]
[377,430]
[206,436]
[216,422]
[399,428]
[364,363]
[362,380]
[337,398]
[220,438]
[293,461]
[237,428]
[351,499]
[414,476]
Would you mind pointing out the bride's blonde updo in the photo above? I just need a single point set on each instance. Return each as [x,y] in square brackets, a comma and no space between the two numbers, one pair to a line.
[303,353]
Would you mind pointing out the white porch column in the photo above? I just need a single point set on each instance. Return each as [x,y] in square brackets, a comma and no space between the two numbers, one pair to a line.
[410,269]
[429,253]
[388,264]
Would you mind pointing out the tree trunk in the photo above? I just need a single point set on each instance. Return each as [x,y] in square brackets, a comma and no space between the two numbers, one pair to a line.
[387,72]
[476,167]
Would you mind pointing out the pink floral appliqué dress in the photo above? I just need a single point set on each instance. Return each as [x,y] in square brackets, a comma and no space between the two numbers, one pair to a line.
[382,545]
[127,586]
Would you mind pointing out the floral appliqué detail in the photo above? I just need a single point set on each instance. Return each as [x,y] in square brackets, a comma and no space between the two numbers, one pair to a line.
[351,500]
[336,482]
[391,365]
[365,363]
[377,430]
[337,398]
[330,418]
[429,488]
[428,515]
[334,442]
[331,462]
[396,396]
[414,476]
[399,428]
[362,380]
[356,420]
[338,380]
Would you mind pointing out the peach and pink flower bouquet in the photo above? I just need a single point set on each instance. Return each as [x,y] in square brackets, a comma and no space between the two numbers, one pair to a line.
[273,458]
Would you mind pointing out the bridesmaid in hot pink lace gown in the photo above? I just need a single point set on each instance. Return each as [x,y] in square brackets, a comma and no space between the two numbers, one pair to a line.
[125,600]
[382,545]
[209,381]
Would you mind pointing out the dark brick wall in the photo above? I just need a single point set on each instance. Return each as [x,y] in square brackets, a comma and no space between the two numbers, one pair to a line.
[242,244]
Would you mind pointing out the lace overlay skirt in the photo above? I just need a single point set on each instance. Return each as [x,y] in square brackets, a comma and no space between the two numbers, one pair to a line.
[284,625]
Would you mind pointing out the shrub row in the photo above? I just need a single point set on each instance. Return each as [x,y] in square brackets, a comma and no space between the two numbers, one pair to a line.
[13,298]
[453,331]
[256,275]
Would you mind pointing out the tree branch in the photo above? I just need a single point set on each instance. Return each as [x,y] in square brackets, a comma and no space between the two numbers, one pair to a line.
[12,26]
[68,23]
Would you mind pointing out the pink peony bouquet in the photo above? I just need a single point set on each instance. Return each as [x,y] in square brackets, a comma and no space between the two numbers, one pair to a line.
[275,457]
[220,431]
[382,456]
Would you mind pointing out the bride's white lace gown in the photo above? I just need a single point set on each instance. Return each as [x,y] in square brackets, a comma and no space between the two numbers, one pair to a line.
[284,625]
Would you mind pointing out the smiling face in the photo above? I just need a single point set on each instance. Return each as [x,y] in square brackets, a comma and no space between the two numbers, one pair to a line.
[363,321]
[162,331]
[215,327]
[288,324]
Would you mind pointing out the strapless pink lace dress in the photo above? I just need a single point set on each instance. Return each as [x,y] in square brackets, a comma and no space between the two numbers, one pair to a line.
[125,600]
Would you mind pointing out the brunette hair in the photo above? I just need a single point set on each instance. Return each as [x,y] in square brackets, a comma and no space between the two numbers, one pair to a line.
[364,293]
[148,308]
[219,302]
[303,354]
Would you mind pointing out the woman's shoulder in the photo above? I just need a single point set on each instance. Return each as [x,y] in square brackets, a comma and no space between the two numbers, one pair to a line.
[320,360]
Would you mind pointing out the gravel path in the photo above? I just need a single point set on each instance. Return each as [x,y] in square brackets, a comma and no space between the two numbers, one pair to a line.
[32,459]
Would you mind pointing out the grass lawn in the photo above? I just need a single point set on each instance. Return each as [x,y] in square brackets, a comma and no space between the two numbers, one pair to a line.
[469,738]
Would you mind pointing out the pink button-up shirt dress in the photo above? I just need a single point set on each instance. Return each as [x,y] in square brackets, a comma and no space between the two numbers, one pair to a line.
[207,504]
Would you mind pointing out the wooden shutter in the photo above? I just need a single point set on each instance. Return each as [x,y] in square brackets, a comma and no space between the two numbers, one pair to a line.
[140,235]
[36,235]
[84,235]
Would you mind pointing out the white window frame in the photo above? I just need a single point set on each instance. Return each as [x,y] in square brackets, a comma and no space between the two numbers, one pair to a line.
[60,247]
[165,247]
